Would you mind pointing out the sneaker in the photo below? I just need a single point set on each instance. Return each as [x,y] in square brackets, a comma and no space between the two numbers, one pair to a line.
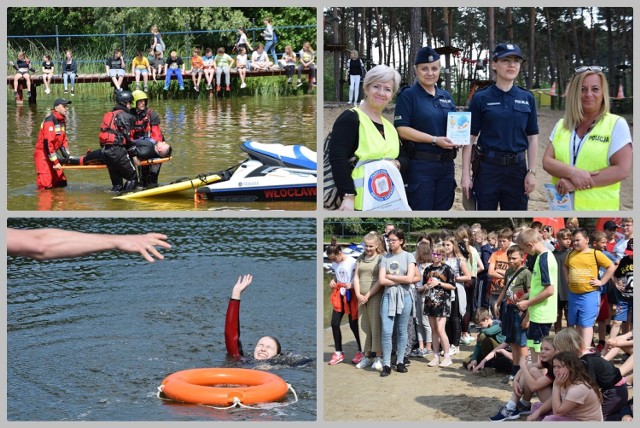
[336,358]
[505,414]
[466,340]
[195,88]
[434,362]
[417,353]
[507,379]
[73,93]
[401,368]
[359,356]
[364,363]
[28,94]
[522,409]
[146,88]
[445,363]
[386,371]
[166,88]
[289,80]
[299,84]
[209,86]
[406,362]
[65,92]
[242,86]
[182,88]
[377,363]
[217,88]
[453,350]
[228,88]
[427,352]
[120,89]
[600,347]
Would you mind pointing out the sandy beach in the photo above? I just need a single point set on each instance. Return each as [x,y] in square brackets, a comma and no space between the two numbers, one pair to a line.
[423,394]
[546,121]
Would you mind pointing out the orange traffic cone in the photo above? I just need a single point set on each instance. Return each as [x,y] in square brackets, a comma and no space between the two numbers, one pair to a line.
[552,92]
[620,92]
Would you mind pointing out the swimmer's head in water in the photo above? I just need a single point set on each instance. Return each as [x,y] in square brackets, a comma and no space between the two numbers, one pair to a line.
[267,347]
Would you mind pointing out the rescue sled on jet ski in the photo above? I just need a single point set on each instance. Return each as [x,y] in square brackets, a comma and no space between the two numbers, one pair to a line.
[273,172]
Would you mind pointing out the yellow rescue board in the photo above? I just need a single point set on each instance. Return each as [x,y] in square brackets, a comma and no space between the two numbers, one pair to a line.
[103,166]
[171,188]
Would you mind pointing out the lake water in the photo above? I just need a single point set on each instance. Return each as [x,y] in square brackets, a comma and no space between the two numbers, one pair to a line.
[92,338]
[205,134]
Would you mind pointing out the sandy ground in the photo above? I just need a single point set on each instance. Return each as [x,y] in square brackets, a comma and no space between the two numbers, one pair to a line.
[546,121]
[423,394]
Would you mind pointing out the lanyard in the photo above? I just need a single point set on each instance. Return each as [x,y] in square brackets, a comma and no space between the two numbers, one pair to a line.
[575,148]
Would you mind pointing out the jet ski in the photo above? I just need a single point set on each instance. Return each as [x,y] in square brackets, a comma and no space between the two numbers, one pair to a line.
[272,172]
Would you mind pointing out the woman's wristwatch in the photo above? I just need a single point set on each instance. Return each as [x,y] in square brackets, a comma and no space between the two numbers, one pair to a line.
[532,171]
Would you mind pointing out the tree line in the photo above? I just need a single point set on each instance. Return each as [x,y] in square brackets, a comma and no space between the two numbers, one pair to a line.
[554,40]
[48,21]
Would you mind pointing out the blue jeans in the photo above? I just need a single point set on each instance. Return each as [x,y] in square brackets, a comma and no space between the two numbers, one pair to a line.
[68,76]
[401,322]
[270,48]
[178,73]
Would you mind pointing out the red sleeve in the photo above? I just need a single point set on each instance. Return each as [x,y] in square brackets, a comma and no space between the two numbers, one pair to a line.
[154,123]
[232,329]
[49,141]
[156,133]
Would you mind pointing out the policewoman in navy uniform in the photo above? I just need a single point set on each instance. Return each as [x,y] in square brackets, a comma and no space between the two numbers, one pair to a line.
[504,124]
[421,120]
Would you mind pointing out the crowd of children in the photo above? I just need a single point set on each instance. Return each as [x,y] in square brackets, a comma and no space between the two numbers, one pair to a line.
[158,64]
[536,295]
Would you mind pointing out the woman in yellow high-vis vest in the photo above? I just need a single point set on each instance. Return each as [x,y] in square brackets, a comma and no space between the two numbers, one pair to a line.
[590,151]
[363,132]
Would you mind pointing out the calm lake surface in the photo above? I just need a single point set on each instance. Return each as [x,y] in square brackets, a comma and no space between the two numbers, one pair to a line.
[92,338]
[205,133]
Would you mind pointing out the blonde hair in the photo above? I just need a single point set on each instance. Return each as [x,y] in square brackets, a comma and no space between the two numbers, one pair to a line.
[374,237]
[574,113]
[569,340]
[456,250]
[354,53]
[528,236]
[307,46]
[381,73]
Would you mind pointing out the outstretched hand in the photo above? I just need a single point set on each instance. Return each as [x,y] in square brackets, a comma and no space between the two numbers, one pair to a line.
[143,244]
[242,283]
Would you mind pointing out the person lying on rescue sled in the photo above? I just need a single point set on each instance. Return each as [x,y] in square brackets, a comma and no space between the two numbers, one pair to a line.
[267,348]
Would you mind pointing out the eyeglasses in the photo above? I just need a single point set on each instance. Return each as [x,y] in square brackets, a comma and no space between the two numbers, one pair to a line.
[436,254]
[584,68]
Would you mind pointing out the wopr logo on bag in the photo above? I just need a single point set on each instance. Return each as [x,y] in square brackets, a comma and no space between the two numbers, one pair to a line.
[380,185]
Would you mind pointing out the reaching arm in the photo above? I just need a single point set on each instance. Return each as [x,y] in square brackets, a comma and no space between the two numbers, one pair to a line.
[45,244]
[232,320]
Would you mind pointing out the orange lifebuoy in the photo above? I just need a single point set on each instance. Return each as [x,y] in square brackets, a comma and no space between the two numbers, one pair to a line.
[199,386]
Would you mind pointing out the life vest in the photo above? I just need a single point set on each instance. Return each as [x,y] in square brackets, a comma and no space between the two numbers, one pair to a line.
[109,132]
[141,127]
[372,146]
[592,157]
